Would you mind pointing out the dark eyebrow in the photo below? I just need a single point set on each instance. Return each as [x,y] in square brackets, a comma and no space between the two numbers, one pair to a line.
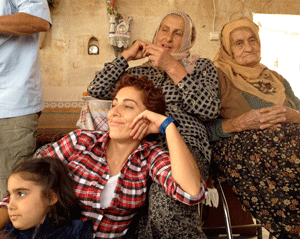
[130,100]
[19,189]
[126,100]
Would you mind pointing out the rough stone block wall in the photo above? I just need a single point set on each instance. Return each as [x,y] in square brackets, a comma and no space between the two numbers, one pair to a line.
[66,66]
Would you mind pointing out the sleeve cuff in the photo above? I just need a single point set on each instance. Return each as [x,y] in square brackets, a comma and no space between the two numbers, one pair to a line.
[219,130]
[121,62]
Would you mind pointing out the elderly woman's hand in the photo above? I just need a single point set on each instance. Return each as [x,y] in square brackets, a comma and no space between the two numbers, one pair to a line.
[146,123]
[254,119]
[161,59]
[279,114]
[136,51]
[261,119]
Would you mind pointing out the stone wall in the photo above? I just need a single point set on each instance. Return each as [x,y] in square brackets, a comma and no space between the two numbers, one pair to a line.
[66,66]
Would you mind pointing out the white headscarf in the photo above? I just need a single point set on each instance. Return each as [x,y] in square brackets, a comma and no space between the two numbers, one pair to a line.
[187,59]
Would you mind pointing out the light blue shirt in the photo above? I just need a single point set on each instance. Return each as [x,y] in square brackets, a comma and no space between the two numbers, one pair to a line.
[20,73]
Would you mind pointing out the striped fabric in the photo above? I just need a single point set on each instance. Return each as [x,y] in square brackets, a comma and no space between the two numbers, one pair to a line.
[84,153]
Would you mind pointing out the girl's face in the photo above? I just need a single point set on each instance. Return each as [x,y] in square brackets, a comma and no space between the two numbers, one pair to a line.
[126,105]
[170,34]
[27,208]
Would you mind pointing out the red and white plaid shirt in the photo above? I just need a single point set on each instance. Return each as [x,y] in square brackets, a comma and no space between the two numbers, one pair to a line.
[84,153]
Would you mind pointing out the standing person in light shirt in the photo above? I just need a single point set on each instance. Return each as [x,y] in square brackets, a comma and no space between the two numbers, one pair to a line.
[20,79]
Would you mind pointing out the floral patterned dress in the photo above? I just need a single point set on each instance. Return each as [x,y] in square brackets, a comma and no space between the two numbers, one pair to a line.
[263,168]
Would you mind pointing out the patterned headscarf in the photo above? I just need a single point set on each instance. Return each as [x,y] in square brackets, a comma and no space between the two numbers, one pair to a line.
[256,80]
[187,59]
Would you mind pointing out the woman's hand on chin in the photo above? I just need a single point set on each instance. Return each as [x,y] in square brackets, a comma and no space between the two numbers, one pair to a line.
[146,123]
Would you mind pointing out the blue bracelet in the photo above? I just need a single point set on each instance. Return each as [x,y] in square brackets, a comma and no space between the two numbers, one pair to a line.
[165,124]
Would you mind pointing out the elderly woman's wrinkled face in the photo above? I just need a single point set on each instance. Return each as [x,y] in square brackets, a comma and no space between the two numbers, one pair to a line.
[244,47]
[170,33]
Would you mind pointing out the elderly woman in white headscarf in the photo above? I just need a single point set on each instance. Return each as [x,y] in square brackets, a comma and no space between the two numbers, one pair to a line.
[190,85]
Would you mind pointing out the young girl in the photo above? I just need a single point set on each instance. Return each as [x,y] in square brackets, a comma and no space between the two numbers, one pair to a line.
[42,203]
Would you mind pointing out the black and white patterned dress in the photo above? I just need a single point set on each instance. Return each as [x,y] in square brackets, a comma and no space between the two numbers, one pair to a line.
[190,102]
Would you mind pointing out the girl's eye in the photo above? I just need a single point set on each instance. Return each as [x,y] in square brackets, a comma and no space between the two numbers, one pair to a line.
[128,107]
[112,106]
[21,194]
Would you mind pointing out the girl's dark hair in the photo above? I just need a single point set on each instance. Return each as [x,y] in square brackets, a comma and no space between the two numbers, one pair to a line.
[53,176]
[152,97]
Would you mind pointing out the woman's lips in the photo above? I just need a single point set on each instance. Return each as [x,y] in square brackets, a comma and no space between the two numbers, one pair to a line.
[168,48]
[116,123]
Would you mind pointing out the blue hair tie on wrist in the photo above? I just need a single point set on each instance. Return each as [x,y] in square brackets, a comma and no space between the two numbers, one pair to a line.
[165,124]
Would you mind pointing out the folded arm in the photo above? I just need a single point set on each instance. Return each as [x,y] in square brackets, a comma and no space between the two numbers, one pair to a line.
[184,168]
[22,24]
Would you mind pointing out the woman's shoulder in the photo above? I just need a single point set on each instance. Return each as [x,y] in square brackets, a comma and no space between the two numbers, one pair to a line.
[277,75]
[150,145]
[204,61]
[83,133]
[224,81]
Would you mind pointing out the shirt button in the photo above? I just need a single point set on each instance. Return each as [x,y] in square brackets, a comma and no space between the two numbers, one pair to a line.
[180,85]
[193,102]
[158,75]
[174,107]
[204,73]
[187,125]
[91,87]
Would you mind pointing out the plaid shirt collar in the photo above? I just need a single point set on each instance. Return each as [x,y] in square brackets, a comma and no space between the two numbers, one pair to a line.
[144,146]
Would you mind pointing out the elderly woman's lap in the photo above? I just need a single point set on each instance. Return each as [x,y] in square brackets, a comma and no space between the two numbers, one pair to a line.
[263,167]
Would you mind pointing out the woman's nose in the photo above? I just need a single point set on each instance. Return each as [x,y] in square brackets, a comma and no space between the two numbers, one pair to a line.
[248,46]
[169,37]
[115,110]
